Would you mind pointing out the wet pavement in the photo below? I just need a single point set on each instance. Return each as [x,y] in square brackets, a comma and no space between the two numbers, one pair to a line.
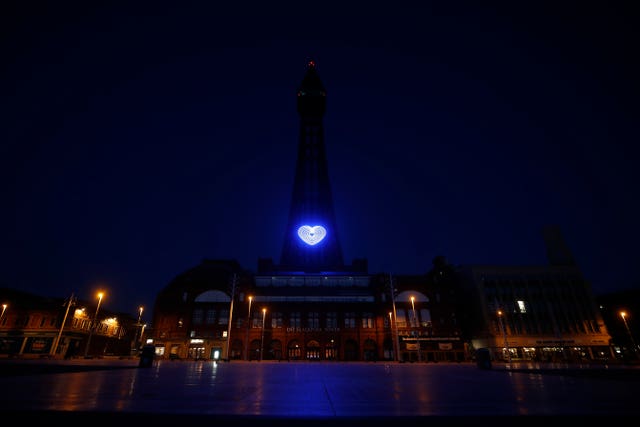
[346,393]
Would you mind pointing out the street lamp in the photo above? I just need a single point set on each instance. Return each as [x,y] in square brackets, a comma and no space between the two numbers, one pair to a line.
[264,314]
[93,324]
[4,308]
[396,339]
[138,325]
[413,308]
[142,333]
[233,296]
[504,334]
[623,314]
[393,344]
[246,344]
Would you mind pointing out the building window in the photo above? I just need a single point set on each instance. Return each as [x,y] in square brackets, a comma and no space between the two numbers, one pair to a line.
[313,320]
[256,319]
[197,316]
[349,319]
[296,320]
[401,318]
[425,317]
[367,320]
[211,317]
[224,317]
[276,319]
[522,306]
[332,319]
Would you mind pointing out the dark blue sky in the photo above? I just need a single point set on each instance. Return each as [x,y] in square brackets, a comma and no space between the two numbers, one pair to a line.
[139,138]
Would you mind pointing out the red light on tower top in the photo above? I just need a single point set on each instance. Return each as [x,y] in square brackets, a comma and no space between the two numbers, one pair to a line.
[312,64]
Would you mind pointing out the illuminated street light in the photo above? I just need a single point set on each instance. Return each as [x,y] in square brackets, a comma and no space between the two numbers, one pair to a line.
[93,324]
[138,326]
[246,345]
[4,308]
[264,314]
[413,307]
[504,334]
[623,314]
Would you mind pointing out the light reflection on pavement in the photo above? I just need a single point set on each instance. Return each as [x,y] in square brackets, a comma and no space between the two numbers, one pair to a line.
[314,389]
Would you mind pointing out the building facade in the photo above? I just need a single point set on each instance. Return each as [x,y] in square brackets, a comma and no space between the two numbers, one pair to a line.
[217,311]
[32,326]
[536,313]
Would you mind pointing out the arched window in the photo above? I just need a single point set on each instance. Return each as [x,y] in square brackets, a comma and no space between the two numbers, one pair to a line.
[213,296]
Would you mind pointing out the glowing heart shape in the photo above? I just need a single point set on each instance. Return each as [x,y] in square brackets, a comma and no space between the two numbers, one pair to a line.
[312,235]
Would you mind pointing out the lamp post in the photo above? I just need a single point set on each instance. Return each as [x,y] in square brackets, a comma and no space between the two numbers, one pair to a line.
[233,295]
[393,343]
[413,308]
[264,315]
[54,347]
[504,334]
[142,332]
[4,308]
[92,324]
[246,343]
[395,318]
[623,314]
[135,345]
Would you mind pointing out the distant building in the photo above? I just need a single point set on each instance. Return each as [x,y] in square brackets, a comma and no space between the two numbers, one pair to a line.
[33,326]
[539,313]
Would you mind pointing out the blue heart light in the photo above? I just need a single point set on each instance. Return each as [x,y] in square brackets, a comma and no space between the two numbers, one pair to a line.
[312,235]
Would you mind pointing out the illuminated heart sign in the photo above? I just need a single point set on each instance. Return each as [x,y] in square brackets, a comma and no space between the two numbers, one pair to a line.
[312,235]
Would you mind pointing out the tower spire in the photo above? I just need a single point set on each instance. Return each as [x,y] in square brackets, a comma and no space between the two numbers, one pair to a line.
[311,241]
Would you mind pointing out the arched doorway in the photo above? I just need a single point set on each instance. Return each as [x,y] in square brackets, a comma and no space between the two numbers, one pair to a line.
[294,351]
[370,349]
[254,350]
[275,350]
[350,350]
[331,350]
[388,349]
[312,350]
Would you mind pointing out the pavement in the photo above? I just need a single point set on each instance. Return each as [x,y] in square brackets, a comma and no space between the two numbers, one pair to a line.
[112,391]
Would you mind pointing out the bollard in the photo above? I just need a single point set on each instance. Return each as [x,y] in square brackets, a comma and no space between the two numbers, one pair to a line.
[146,356]
[483,358]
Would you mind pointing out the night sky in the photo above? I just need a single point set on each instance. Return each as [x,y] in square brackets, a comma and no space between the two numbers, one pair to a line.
[138,138]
